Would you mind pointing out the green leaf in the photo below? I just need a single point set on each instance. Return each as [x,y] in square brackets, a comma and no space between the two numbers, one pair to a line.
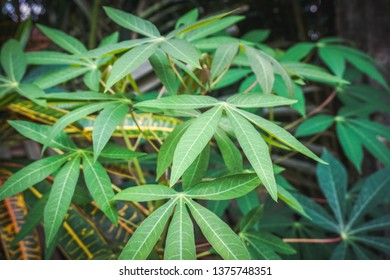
[92,79]
[183,102]
[146,193]
[227,244]
[224,188]
[113,151]
[290,200]
[165,156]
[81,95]
[251,219]
[259,250]
[314,125]
[257,35]
[212,43]
[180,243]
[298,51]
[52,58]
[223,58]
[333,59]
[132,22]
[247,202]
[99,185]
[373,127]
[262,68]
[105,125]
[197,169]
[188,18]
[145,237]
[182,50]
[164,71]
[332,179]
[129,61]
[373,225]
[255,149]
[279,133]
[275,243]
[32,92]
[13,60]
[380,243]
[340,252]
[59,76]
[193,141]
[373,190]
[63,40]
[351,144]
[31,174]
[230,153]
[60,198]
[258,100]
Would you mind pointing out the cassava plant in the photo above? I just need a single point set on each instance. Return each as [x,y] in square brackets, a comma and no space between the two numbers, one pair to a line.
[134,175]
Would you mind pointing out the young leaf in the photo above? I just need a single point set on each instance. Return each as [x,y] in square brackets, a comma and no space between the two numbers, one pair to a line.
[255,149]
[63,40]
[180,243]
[332,179]
[230,153]
[197,169]
[224,188]
[164,71]
[13,60]
[258,100]
[227,244]
[31,174]
[223,57]
[280,134]
[146,193]
[182,50]
[145,237]
[99,185]
[184,102]
[314,125]
[105,125]
[165,156]
[132,22]
[193,141]
[128,62]
[298,51]
[60,198]
[262,68]
[351,144]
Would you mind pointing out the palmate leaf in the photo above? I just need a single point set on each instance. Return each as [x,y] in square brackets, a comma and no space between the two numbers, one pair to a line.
[60,198]
[132,22]
[105,125]
[262,68]
[184,102]
[227,244]
[31,174]
[13,60]
[182,50]
[145,237]
[255,149]
[99,185]
[193,141]
[180,242]
[258,100]
[146,193]
[223,57]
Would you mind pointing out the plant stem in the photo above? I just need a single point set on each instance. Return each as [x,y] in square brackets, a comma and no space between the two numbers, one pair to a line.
[94,21]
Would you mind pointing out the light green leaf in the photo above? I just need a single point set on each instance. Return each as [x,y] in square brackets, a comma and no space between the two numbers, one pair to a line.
[262,68]
[63,40]
[314,125]
[351,144]
[164,71]
[258,100]
[290,200]
[132,22]
[259,250]
[193,141]
[197,169]
[227,244]
[183,102]
[113,151]
[232,76]
[332,179]
[182,50]
[212,43]
[275,243]
[59,76]
[52,58]
[81,95]
[257,35]
[60,198]
[105,124]
[92,79]
[165,156]
[145,237]
[129,61]
[223,58]
[13,60]
[255,149]
[224,188]
[180,243]
[188,18]
[280,134]
[333,59]
[146,193]
[31,174]
[298,51]
[230,153]
[32,92]
[99,185]
[374,187]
